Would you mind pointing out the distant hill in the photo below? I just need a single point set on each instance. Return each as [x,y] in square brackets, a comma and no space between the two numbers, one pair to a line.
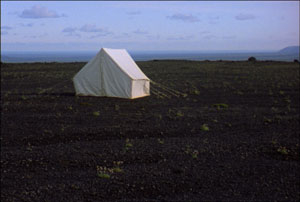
[290,50]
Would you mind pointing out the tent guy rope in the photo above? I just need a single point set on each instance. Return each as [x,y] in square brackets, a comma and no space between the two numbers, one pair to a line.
[164,91]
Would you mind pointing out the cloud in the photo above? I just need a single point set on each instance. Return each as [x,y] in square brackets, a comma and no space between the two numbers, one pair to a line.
[244,16]
[140,32]
[91,28]
[36,36]
[134,13]
[26,25]
[37,12]
[69,29]
[5,27]
[178,38]
[100,35]
[184,17]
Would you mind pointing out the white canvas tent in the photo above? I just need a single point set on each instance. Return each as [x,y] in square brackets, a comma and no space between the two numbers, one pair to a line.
[112,73]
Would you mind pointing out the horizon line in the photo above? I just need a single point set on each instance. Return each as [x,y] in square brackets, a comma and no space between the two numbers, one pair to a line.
[216,50]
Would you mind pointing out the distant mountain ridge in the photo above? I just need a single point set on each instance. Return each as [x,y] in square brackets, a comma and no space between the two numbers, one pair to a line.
[290,50]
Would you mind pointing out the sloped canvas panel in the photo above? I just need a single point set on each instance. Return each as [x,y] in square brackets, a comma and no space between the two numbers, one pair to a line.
[115,82]
[140,88]
[126,63]
[87,80]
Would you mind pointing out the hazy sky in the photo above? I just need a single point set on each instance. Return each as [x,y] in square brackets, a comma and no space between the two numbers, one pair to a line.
[140,25]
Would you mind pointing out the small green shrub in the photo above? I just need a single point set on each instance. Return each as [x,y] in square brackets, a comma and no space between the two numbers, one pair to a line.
[274,142]
[228,125]
[267,120]
[96,113]
[179,114]
[128,144]
[160,141]
[204,127]
[117,170]
[195,154]
[104,175]
[220,106]
[215,121]
[104,172]
[283,150]
[85,104]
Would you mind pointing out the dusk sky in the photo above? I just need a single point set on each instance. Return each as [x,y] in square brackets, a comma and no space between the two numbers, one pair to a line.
[137,25]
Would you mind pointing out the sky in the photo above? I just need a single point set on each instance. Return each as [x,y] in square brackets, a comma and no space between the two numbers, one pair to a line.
[149,25]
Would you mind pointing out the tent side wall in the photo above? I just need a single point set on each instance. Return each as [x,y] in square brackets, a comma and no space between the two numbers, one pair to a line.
[116,83]
[87,80]
[140,88]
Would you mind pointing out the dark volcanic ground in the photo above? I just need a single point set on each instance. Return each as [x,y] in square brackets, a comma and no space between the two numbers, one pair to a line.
[233,136]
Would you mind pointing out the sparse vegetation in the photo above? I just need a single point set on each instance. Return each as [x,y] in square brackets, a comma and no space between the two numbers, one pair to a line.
[192,152]
[220,106]
[85,104]
[160,141]
[103,172]
[283,150]
[182,148]
[204,127]
[128,144]
[97,113]
[106,173]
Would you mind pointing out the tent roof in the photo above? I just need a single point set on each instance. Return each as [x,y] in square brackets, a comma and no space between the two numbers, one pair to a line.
[126,63]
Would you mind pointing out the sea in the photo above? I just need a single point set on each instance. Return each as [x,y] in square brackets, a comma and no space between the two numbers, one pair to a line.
[85,56]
